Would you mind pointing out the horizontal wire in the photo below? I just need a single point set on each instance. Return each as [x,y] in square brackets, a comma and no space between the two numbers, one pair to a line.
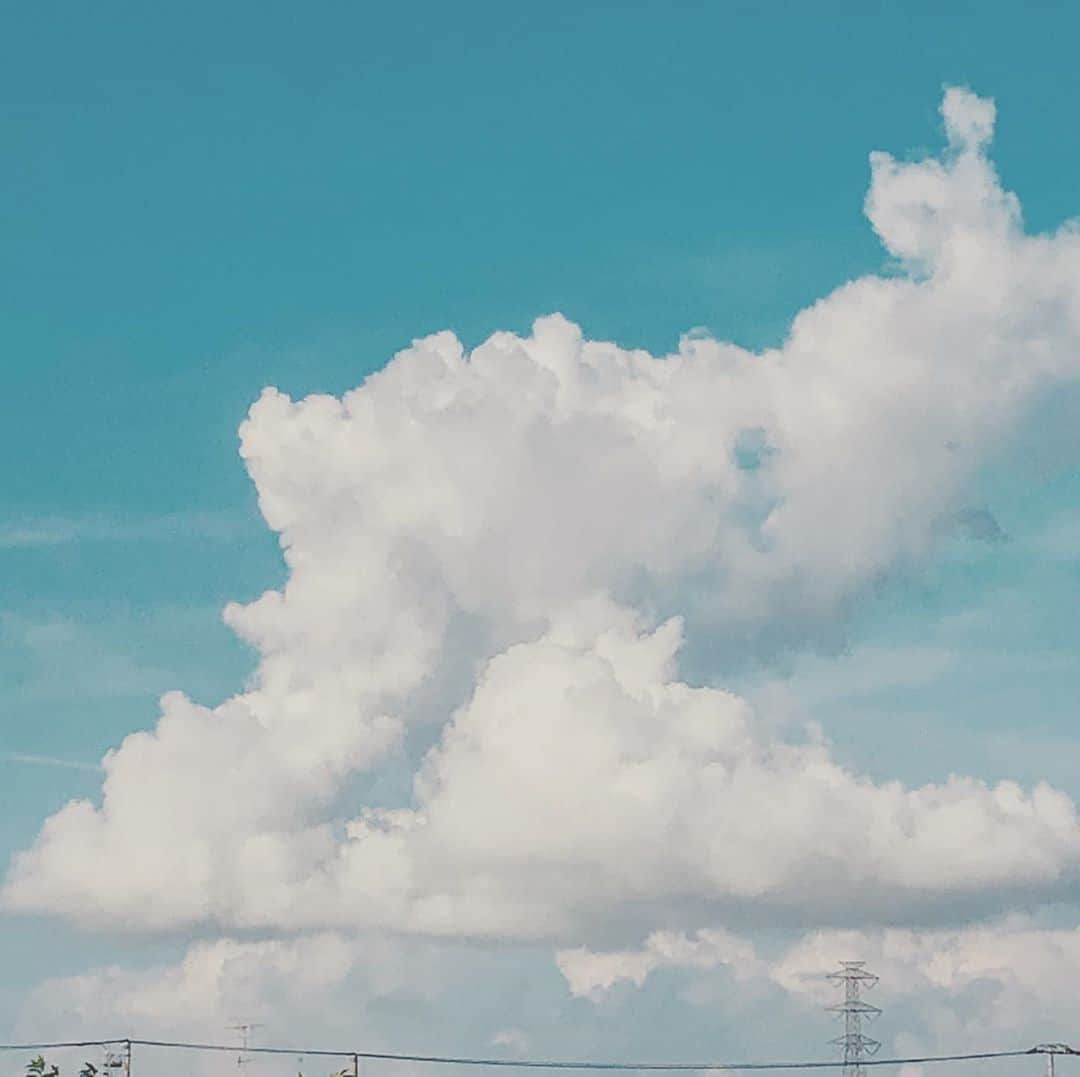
[550,1064]
[65,1043]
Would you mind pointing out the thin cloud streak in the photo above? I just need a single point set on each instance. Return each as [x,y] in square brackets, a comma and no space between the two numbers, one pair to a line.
[169,527]
[48,761]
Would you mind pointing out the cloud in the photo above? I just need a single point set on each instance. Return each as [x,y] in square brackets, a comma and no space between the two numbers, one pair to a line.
[1015,951]
[47,761]
[201,996]
[1000,985]
[1004,985]
[65,659]
[209,985]
[583,791]
[493,559]
[591,974]
[29,533]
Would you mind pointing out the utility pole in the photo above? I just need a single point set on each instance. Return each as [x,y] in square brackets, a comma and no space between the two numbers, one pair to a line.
[858,1047]
[1050,1050]
[245,1028]
[119,1059]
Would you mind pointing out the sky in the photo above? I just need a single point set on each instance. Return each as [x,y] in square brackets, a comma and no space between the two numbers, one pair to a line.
[538,531]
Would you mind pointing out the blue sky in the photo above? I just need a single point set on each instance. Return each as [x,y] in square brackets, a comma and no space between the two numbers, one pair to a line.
[201,202]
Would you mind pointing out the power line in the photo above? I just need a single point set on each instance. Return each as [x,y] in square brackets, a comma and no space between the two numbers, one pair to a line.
[549,1064]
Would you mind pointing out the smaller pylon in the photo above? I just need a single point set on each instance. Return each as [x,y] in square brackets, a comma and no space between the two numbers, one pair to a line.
[857,1046]
[245,1028]
[1050,1050]
[118,1057]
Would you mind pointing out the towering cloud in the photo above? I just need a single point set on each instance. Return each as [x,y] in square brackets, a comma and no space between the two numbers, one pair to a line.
[493,561]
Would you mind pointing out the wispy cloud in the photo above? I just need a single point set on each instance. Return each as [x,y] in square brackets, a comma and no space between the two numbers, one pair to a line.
[28,533]
[63,659]
[47,761]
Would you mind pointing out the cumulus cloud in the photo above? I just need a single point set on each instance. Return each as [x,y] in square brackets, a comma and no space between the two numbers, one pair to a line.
[212,983]
[1002,984]
[294,987]
[583,790]
[591,973]
[502,551]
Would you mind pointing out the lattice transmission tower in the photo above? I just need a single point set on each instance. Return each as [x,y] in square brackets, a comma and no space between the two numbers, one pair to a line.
[858,1047]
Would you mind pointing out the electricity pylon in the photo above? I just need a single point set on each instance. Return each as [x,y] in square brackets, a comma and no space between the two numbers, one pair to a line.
[857,1046]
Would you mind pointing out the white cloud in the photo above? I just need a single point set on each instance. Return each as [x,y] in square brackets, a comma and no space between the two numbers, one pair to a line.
[32,759]
[1005,985]
[999,984]
[213,983]
[583,787]
[590,974]
[64,659]
[1002,985]
[280,986]
[513,1040]
[23,533]
[479,540]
